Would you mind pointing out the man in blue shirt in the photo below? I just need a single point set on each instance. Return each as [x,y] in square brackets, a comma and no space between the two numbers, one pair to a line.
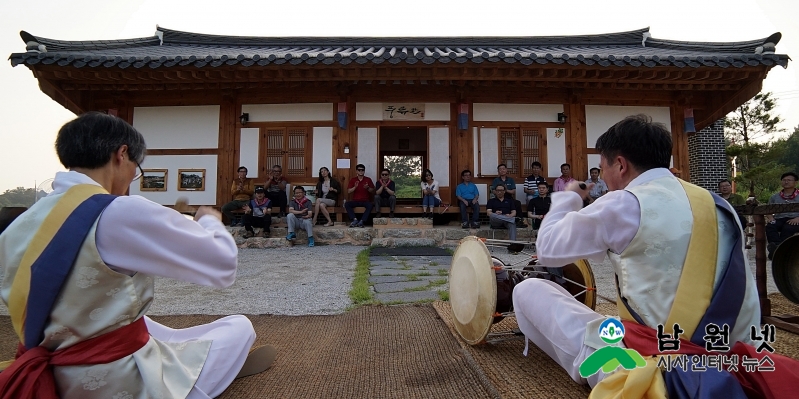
[468,198]
[502,212]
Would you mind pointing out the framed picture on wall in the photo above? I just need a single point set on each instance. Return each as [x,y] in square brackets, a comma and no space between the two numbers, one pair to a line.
[153,180]
[191,179]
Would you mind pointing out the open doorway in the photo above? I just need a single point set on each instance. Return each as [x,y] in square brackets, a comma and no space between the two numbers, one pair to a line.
[403,150]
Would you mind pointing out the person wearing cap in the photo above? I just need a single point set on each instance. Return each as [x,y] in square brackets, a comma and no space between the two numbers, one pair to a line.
[679,259]
[241,190]
[257,213]
[783,225]
[361,188]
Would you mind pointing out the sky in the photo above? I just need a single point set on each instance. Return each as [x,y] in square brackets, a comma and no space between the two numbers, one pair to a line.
[29,120]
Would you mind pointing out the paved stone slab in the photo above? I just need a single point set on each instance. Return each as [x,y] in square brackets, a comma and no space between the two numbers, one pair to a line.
[399,286]
[387,279]
[400,272]
[412,296]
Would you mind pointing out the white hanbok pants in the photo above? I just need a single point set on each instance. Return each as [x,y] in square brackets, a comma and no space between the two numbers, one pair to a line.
[549,316]
[231,336]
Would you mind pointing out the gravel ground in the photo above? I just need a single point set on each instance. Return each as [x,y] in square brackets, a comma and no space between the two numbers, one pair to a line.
[303,281]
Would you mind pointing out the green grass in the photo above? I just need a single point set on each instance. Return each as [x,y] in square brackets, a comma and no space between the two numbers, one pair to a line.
[425,274]
[433,263]
[443,272]
[436,283]
[361,292]
[412,277]
[443,295]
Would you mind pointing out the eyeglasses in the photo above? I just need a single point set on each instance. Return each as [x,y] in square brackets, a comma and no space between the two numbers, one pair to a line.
[140,174]
[276,171]
[384,174]
[360,170]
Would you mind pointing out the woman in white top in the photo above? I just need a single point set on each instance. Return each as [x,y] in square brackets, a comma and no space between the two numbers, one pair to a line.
[430,197]
[327,190]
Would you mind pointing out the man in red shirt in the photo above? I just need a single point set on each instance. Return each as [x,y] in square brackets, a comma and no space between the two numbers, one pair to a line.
[361,188]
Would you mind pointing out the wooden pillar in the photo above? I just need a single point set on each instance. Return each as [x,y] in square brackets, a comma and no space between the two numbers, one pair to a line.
[577,142]
[461,149]
[229,129]
[680,143]
[341,138]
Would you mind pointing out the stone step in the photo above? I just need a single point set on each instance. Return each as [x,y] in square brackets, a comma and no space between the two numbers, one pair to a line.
[386,236]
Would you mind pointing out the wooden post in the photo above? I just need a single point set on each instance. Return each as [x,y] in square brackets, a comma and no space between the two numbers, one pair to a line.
[680,143]
[760,265]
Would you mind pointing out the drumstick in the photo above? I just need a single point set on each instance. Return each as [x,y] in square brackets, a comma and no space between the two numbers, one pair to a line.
[182,206]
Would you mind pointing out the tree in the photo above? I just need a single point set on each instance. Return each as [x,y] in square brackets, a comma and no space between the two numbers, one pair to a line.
[748,131]
[19,196]
[406,171]
[788,151]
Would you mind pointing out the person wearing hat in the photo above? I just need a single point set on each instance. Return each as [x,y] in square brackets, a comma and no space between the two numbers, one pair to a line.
[257,213]
[678,256]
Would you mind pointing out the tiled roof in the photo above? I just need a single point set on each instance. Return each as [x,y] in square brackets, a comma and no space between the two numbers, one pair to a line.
[170,48]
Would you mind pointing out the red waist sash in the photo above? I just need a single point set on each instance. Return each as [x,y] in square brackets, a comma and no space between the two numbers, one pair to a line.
[31,374]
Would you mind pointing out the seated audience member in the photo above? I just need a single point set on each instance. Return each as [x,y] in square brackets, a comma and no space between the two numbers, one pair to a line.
[531,182]
[564,179]
[430,197]
[361,188]
[241,191]
[276,189]
[599,189]
[510,191]
[539,206]
[327,189]
[502,211]
[300,215]
[385,193]
[725,191]
[257,214]
[783,225]
[468,197]
[81,299]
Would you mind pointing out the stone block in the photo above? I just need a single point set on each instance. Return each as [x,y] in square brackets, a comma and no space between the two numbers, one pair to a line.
[329,234]
[382,242]
[380,221]
[425,222]
[399,286]
[401,233]
[361,235]
[436,234]
[414,242]
[452,234]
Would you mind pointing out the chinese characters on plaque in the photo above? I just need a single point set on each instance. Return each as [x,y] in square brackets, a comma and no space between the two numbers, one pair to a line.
[402,111]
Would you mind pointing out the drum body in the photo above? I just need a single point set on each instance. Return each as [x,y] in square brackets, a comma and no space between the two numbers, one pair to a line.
[481,287]
[785,268]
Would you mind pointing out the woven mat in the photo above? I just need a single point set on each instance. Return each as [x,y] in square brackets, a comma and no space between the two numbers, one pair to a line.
[538,376]
[370,352]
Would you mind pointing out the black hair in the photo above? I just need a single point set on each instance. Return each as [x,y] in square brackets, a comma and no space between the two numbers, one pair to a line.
[299,188]
[565,164]
[322,179]
[501,165]
[536,163]
[795,176]
[386,170]
[360,166]
[277,166]
[465,171]
[542,183]
[90,140]
[593,169]
[722,181]
[426,171]
[645,144]
[242,167]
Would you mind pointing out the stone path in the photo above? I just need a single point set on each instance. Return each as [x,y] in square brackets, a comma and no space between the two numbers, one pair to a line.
[408,279]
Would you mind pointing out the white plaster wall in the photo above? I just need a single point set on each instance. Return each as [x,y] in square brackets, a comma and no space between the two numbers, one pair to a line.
[516,112]
[599,118]
[367,151]
[178,127]
[482,189]
[556,152]
[438,151]
[248,150]
[322,149]
[436,112]
[289,112]
[172,163]
[489,153]
[475,146]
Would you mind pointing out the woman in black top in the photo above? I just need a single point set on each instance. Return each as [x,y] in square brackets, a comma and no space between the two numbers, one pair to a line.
[327,190]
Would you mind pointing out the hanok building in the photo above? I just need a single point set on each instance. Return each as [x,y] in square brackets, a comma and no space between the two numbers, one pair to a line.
[207,104]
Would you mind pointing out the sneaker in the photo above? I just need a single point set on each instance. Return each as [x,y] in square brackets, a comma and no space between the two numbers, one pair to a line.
[354,223]
[248,234]
[475,225]
[310,241]
[391,215]
[465,225]
[360,223]
[770,248]
[379,215]
[291,236]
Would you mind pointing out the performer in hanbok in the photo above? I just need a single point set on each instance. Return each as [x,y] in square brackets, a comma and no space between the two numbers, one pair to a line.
[678,257]
[79,267]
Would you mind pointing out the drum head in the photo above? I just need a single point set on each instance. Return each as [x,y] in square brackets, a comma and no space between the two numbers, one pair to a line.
[785,268]
[472,290]
[581,273]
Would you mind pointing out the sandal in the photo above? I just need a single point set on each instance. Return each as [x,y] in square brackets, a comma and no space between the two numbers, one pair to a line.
[329,224]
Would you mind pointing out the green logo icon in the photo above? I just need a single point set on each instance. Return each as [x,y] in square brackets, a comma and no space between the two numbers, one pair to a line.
[607,359]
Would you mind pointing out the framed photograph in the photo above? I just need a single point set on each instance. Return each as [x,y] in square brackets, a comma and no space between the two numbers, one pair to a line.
[153,180]
[191,179]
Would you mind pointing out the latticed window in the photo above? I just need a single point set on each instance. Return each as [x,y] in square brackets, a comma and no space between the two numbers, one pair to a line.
[287,147]
[519,148]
